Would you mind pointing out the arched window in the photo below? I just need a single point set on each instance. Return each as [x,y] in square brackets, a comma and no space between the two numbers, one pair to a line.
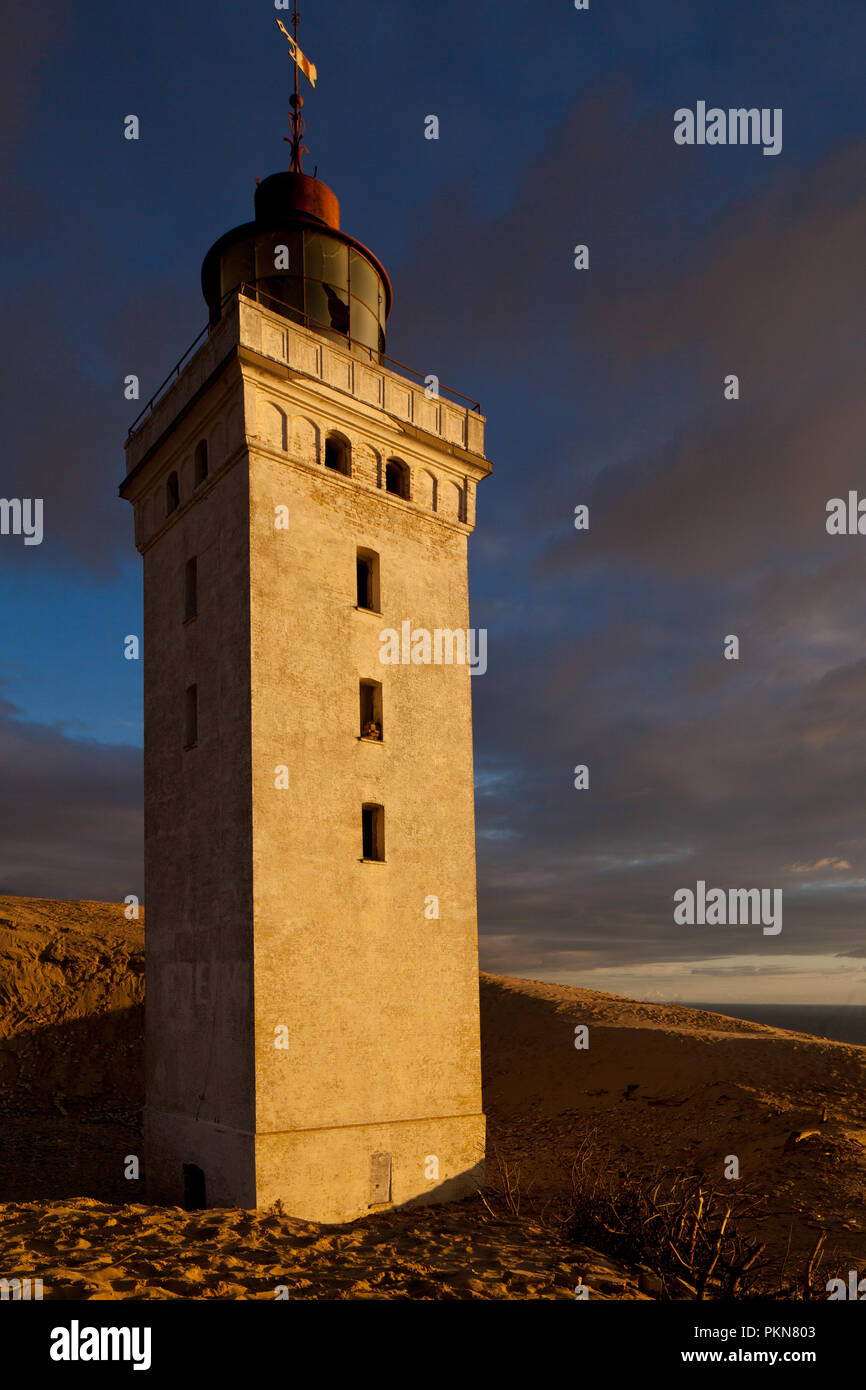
[337,452]
[397,478]
[200,462]
[172,494]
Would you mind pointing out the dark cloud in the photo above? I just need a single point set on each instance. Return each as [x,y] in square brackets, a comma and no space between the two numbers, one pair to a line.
[739,788]
[33,37]
[71,822]
[602,387]
[707,518]
[64,417]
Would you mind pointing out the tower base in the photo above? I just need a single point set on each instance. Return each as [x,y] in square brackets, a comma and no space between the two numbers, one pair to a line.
[323,1175]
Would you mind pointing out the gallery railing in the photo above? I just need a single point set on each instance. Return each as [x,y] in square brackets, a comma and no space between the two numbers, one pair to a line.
[250,291]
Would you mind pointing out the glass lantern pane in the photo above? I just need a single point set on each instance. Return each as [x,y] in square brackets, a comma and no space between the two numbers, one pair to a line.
[282,294]
[326,259]
[365,326]
[365,284]
[278,253]
[236,267]
[327,307]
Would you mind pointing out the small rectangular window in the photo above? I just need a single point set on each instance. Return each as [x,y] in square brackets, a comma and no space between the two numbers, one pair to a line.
[371,710]
[190,589]
[190,736]
[368,580]
[373,832]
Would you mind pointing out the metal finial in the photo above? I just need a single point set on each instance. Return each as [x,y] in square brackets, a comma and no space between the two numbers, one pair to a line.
[296,101]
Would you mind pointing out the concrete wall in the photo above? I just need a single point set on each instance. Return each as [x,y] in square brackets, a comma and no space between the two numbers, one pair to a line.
[324,1174]
[261,916]
[198,842]
[225,1156]
[380,1002]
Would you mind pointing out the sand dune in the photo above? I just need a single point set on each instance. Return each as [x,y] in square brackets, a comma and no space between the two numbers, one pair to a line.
[659,1086]
[91,1250]
[678,1088]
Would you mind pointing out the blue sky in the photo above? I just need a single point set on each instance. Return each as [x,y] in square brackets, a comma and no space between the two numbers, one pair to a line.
[556,128]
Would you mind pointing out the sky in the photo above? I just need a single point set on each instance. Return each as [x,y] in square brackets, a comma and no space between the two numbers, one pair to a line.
[602,387]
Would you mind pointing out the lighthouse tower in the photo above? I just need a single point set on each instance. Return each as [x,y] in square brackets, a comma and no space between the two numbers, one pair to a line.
[312,988]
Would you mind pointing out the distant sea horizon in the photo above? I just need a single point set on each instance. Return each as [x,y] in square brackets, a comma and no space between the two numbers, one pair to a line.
[839,1022]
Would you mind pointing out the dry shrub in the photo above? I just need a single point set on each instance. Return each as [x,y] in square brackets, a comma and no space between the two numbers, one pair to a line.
[700,1242]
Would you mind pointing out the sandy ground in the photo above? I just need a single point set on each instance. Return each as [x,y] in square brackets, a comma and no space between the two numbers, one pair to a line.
[658,1086]
[91,1250]
[679,1089]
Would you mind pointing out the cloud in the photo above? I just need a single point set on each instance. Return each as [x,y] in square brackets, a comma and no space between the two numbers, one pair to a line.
[71,819]
[750,971]
[819,864]
[707,518]
[32,36]
[64,417]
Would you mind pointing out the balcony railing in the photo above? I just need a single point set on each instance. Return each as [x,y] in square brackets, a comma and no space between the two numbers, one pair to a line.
[250,291]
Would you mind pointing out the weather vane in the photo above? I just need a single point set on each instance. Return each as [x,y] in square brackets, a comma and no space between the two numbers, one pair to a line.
[296,101]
